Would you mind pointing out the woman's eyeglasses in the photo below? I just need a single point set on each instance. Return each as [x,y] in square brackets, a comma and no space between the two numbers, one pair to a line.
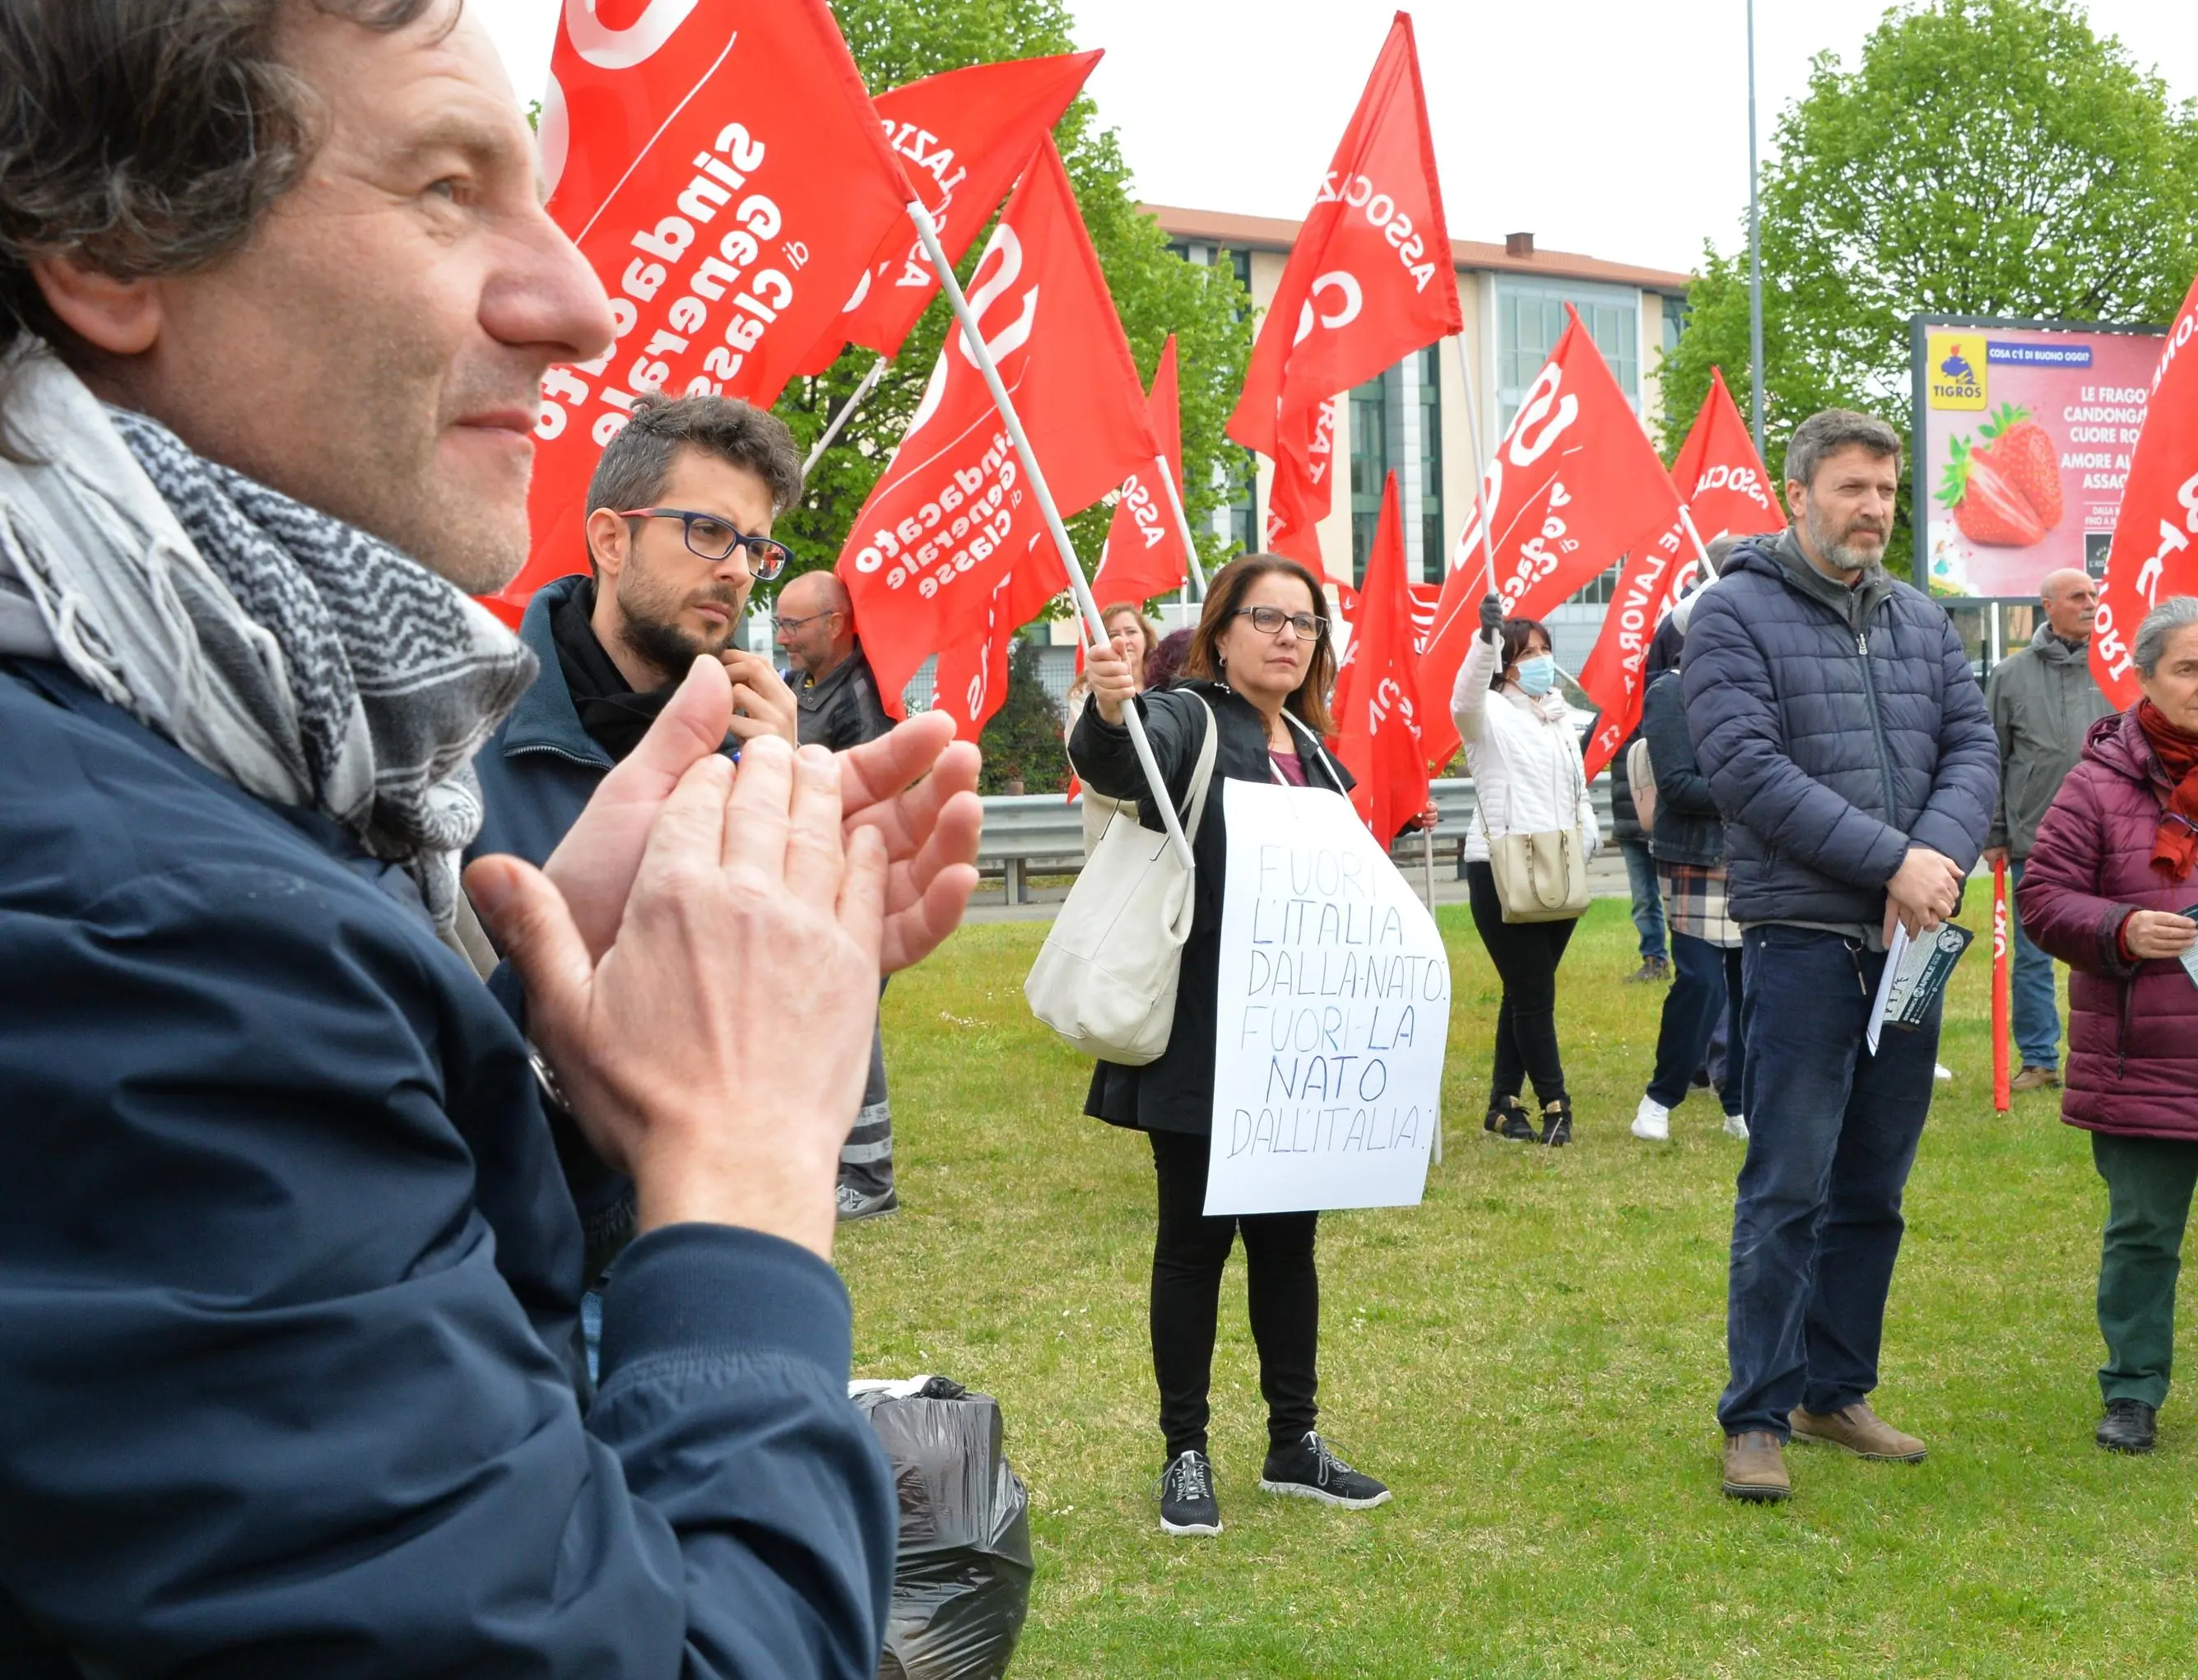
[1269,620]
[711,538]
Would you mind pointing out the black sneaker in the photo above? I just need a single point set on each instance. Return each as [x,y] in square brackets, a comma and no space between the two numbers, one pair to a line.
[1507,1120]
[1309,1470]
[1557,1124]
[2127,1427]
[854,1205]
[1187,1503]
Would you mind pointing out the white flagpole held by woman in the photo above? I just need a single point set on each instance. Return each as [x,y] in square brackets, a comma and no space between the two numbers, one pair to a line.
[973,339]
[1481,461]
[846,413]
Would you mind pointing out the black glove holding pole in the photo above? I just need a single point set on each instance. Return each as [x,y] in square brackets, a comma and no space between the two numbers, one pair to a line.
[1491,616]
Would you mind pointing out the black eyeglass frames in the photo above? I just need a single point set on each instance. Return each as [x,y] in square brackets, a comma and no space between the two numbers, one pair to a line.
[711,538]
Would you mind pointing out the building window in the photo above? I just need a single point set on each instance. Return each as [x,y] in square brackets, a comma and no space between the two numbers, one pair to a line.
[1529,319]
[1396,427]
[1239,522]
[1370,466]
[1429,394]
[1675,320]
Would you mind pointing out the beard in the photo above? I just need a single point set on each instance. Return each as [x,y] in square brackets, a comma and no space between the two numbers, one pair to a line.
[1837,546]
[648,616]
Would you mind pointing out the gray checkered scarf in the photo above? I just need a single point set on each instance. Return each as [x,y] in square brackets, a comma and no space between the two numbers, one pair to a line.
[307,662]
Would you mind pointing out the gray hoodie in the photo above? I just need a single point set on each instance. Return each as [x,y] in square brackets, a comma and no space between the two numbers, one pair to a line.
[2042,700]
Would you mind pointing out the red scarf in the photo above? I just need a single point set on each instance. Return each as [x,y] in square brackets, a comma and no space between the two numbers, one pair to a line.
[2175,849]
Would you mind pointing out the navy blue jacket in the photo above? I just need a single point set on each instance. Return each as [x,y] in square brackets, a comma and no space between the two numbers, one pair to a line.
[538,770]
[288,1281]
[1689,828]
[1830,750]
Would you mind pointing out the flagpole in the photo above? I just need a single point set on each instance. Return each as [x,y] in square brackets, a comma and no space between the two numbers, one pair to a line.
[1182,523]
[972,341]
[1479,465]
[1701,552]
[1754,256]
[846,413]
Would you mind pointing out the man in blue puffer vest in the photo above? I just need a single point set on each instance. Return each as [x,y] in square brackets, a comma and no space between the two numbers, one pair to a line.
[1847,743]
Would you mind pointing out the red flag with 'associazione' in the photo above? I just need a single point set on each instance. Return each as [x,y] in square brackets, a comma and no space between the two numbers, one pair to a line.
[1144,549]
[963,137]
[1574,484]
[1369,280]
[951,517]
[722,169]
[1728,494]
[2155,551]
[1379,722]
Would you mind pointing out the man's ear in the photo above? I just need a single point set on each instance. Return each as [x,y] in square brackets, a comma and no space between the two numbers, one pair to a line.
[118,317]
[607,536]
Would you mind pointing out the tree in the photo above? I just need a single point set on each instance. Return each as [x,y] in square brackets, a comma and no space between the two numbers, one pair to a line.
[1022,743]
[1156,292]
[1985,157]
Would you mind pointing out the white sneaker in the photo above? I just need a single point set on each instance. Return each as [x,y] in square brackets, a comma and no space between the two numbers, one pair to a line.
[1940,1070]
[1652,1121]
[1736,1126]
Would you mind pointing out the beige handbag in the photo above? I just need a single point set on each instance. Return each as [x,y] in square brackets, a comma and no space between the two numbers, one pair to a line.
[1105,979]
[1539,877]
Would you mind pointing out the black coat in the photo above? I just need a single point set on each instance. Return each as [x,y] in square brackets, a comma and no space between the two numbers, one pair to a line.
[1688,829]
[1175,1093]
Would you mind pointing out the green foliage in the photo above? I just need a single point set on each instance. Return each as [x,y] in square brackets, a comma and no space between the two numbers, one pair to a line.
[896,42]
[1985,157]
[1023,742]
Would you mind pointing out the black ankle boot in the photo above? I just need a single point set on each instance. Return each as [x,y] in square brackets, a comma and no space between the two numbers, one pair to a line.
[1557,1122]
[2127,1427]
[1507,1118]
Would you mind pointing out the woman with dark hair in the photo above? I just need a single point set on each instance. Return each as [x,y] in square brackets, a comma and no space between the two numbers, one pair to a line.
[1259,672]
[1165,663]
[1523,757]
[1137,639]
[2111,888]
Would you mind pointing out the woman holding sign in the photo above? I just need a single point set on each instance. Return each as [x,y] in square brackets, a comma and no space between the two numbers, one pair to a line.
[2110,887]
[1528,781]
[1259,669]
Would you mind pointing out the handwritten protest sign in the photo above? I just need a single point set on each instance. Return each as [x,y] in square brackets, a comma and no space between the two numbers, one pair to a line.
[1331,1014]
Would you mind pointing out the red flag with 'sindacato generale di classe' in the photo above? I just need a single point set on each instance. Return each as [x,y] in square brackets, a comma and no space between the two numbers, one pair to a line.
[1574,484]
[951,516]
[1379,722]
[1720,477]
[721,166]
[2155,551]
[963,137]
[1144,554]
[1369,280]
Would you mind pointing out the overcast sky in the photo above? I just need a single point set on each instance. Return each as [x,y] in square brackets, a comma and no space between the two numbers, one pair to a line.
[1614,127]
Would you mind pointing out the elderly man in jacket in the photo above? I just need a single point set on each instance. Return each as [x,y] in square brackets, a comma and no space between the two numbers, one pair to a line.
[2043,701]
[1847,743]
[289,1269]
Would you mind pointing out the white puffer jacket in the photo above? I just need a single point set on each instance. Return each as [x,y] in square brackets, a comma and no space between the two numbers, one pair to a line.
[1524,758]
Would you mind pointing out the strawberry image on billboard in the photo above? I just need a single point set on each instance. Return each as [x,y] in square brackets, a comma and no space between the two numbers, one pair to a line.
[2023,434]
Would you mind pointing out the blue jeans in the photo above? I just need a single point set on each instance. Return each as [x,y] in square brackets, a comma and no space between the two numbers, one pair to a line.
[2036,1006]
[1706,988]
[1832,1133]
[1648,898]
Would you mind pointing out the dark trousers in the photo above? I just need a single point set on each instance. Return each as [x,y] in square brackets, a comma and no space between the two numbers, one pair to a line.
[866,1158]
[1832,1133]
[1525,954]
[2149,1185]
[1705,988]
[1284,1288]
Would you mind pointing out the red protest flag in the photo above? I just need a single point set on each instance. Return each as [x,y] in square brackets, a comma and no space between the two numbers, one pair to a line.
[1379,718]
[963,137]
[1731,496]
[950,515]
[1144,553]
[2155,551]
[1369,280]
[721,168]
[971,680]
[1574,483]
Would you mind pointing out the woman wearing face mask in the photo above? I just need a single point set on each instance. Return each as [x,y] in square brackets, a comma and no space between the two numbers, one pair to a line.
[1260,666]
[1527,778]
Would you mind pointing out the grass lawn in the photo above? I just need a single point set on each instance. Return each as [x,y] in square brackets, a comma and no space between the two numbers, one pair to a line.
[1531,1359]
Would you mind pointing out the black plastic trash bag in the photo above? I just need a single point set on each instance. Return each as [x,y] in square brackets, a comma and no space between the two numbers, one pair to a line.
[961,1585]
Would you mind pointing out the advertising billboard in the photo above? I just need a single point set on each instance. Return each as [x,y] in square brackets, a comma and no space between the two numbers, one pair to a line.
[2023,434]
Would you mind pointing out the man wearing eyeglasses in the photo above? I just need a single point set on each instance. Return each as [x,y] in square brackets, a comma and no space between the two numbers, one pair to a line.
[678,534]
[830,678]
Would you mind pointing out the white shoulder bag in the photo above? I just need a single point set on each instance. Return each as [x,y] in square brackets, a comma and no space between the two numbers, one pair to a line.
[1106,980]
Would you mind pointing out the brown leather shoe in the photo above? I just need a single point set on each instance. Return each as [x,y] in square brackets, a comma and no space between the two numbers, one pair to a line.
[1861,1431]
[2035,1079]
[1755,1467]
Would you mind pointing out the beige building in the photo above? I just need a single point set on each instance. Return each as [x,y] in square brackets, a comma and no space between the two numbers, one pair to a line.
[1413,418]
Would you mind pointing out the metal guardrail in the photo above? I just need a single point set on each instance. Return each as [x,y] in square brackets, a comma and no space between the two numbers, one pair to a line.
[1022,830]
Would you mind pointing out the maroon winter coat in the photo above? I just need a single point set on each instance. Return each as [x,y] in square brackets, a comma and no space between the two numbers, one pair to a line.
[2133,1037]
